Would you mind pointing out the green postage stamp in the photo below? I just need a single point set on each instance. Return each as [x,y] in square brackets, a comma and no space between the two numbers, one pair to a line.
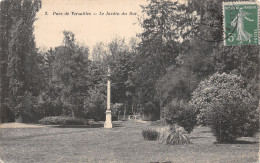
[241,23]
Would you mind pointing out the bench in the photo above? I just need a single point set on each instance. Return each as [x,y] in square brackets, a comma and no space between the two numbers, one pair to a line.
[134,117]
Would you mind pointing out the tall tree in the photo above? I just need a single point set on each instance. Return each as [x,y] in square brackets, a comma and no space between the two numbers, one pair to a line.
[165,25]
[18,52]
[72,74]
[119,56]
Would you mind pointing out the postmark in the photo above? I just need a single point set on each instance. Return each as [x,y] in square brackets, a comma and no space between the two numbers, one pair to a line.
[240,23]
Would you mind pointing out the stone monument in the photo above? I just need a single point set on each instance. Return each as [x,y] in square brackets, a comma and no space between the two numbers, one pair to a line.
[108,123]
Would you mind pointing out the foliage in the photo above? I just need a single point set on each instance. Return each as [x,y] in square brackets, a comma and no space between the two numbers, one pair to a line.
[174,135]
[62,120]
[204,54]
[119,56]
[120,62]
[207,24]
[150,111]
[226,106]
[167,134]
[99,53]
[148,108]
[95,105]
[164,24]
[116,108]
[28,108]
[241,61]
[150,134]
[178,112]
[71,73]
[18,64]
[50,101]
[177,83]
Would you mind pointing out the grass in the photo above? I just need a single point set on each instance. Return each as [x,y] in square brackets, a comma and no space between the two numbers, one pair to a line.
[123,143]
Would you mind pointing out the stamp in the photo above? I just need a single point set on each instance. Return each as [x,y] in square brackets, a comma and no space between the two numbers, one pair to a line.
[241,23]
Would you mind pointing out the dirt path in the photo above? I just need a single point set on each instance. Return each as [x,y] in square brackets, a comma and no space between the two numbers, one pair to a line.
[20,125]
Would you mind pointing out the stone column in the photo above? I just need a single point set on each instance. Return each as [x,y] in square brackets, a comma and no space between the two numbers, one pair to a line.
[108,123]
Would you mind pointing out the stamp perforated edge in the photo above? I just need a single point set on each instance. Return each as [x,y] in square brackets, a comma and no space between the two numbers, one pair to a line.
[224,23]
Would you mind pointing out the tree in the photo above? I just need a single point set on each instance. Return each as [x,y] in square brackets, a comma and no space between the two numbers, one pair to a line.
[99,53]
[18,53]
[121,63]
[208,20]
[72,74]
[95,101]
[177,83]
[95,105]
[165,25]
[226,106]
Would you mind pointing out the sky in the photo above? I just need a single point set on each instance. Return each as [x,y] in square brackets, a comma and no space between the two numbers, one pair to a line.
[88,29]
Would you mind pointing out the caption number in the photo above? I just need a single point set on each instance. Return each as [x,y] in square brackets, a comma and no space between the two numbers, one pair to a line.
[230,37]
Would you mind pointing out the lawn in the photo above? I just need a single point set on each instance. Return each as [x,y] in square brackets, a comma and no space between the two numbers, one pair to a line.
[123,143]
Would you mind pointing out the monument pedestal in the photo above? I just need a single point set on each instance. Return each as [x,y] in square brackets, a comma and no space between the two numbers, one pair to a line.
[108,123]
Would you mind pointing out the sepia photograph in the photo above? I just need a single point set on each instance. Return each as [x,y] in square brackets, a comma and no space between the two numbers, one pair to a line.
[129,81]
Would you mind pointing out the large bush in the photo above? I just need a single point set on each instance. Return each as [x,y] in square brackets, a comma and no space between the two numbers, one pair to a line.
[180,113]
[226,106]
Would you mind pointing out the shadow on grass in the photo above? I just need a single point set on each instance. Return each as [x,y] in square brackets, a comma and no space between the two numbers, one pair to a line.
[100,125]
[85,126]
[198,137]
[205,132]
[239,142]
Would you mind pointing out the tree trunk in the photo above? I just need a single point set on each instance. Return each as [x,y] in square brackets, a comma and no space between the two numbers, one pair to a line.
[73,113]
[124,112]
[118,117]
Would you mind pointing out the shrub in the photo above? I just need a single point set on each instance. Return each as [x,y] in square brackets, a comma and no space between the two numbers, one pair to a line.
[226,106]
[62,120]
[174,135]
[150,134]
[180,113]
[28,109]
